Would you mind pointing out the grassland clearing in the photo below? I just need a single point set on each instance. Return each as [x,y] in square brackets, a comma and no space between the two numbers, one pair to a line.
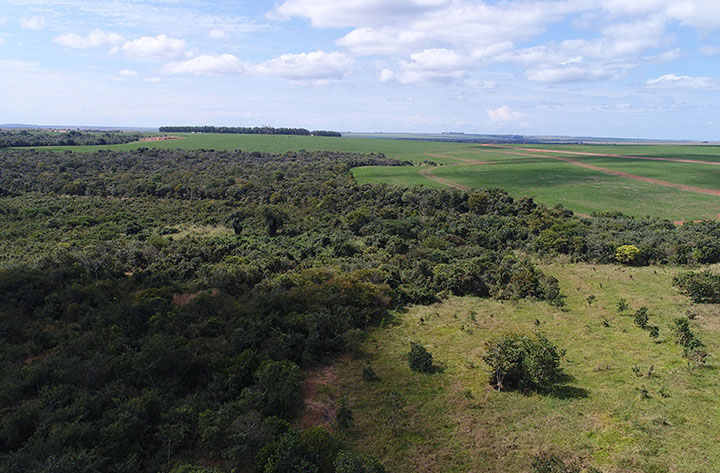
[457,422]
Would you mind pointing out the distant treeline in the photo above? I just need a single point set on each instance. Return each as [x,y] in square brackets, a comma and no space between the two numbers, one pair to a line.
[244,130]
[27,138]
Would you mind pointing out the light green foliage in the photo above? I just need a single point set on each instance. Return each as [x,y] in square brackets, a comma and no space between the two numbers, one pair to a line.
[627,254]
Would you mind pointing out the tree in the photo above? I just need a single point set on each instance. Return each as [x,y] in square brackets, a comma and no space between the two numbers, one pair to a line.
[521,362]
[419,358]
[628,254]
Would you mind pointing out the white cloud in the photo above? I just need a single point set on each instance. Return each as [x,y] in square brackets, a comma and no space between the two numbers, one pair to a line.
[327,13]
[200,65]
[153,80]
[555,75]
[503,114]
[127,73]
[672,81]
[313,66]
[95,39]
[217,34]
[2,41]
[159,46]
[316,65]
[32,22]
[710,50]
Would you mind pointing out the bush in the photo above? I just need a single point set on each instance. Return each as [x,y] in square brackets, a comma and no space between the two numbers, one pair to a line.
[420,359]
[700,286]
[628,254]
[369,374]
[521,362]
[641,317]
[685,337]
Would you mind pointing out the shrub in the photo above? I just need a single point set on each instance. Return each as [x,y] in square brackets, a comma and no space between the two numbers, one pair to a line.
[685,337]
[521,362]
[641,317]
[628,254]
[622,306]
[369,374]
[700,286]
[420,359]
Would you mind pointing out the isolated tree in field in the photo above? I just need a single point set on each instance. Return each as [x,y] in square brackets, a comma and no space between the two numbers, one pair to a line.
[420,359]
[522,362]
[628,254]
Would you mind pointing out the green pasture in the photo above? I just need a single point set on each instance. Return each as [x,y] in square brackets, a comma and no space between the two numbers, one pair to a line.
[455,422]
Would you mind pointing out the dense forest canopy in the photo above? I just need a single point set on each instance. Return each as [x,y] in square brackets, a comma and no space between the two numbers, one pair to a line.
[27,138]
[258,130]
[156,306]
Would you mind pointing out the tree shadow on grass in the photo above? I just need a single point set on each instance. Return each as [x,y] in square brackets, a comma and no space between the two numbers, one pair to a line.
[563,389]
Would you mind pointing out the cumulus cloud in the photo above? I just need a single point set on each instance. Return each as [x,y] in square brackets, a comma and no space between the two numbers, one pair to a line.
[555,75]
[672,81]
[95,39]
[127,73]
[503,114]
[217,34]
[313,66]
[32,22]
[327,13]
[207,64]
[160,46]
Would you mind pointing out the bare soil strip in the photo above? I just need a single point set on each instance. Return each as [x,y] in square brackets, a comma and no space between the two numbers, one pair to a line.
[427,172]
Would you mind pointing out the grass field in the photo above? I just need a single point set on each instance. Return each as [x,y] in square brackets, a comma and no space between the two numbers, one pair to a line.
[544,178]
[457,423]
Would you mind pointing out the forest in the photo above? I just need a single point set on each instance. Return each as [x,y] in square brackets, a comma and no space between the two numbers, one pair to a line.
[27,138]
[241,130]
[157,307]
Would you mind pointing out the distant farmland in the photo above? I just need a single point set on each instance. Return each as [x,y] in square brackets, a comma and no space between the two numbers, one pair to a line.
[676,182]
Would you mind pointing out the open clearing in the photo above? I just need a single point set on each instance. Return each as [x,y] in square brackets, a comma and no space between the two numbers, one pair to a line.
[457,423]
[676,182]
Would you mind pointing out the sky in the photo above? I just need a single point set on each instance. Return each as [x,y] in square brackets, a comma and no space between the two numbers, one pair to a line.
[612,68]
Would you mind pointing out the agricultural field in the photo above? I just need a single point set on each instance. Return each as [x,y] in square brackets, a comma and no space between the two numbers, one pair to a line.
[628,403]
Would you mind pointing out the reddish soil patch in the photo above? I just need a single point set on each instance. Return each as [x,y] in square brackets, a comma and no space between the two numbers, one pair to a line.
[185,298]
[318,399]
[161,138]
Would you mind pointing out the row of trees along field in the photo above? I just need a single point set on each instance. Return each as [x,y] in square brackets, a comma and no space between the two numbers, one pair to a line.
[27,138]
[157,306]
[258,130]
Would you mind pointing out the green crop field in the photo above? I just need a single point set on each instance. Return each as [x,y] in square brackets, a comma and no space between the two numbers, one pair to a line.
[545,179]
[456,422]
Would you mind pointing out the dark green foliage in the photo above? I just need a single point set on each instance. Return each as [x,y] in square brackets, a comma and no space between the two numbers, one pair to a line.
[654,331]
[685,337]
[640,317]
[700,286]
[622,306]
[522,362]
[369,374]
[258,130]
[25,138]
[419,359]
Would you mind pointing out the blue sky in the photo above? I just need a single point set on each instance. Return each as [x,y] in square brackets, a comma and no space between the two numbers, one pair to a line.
[619,68]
